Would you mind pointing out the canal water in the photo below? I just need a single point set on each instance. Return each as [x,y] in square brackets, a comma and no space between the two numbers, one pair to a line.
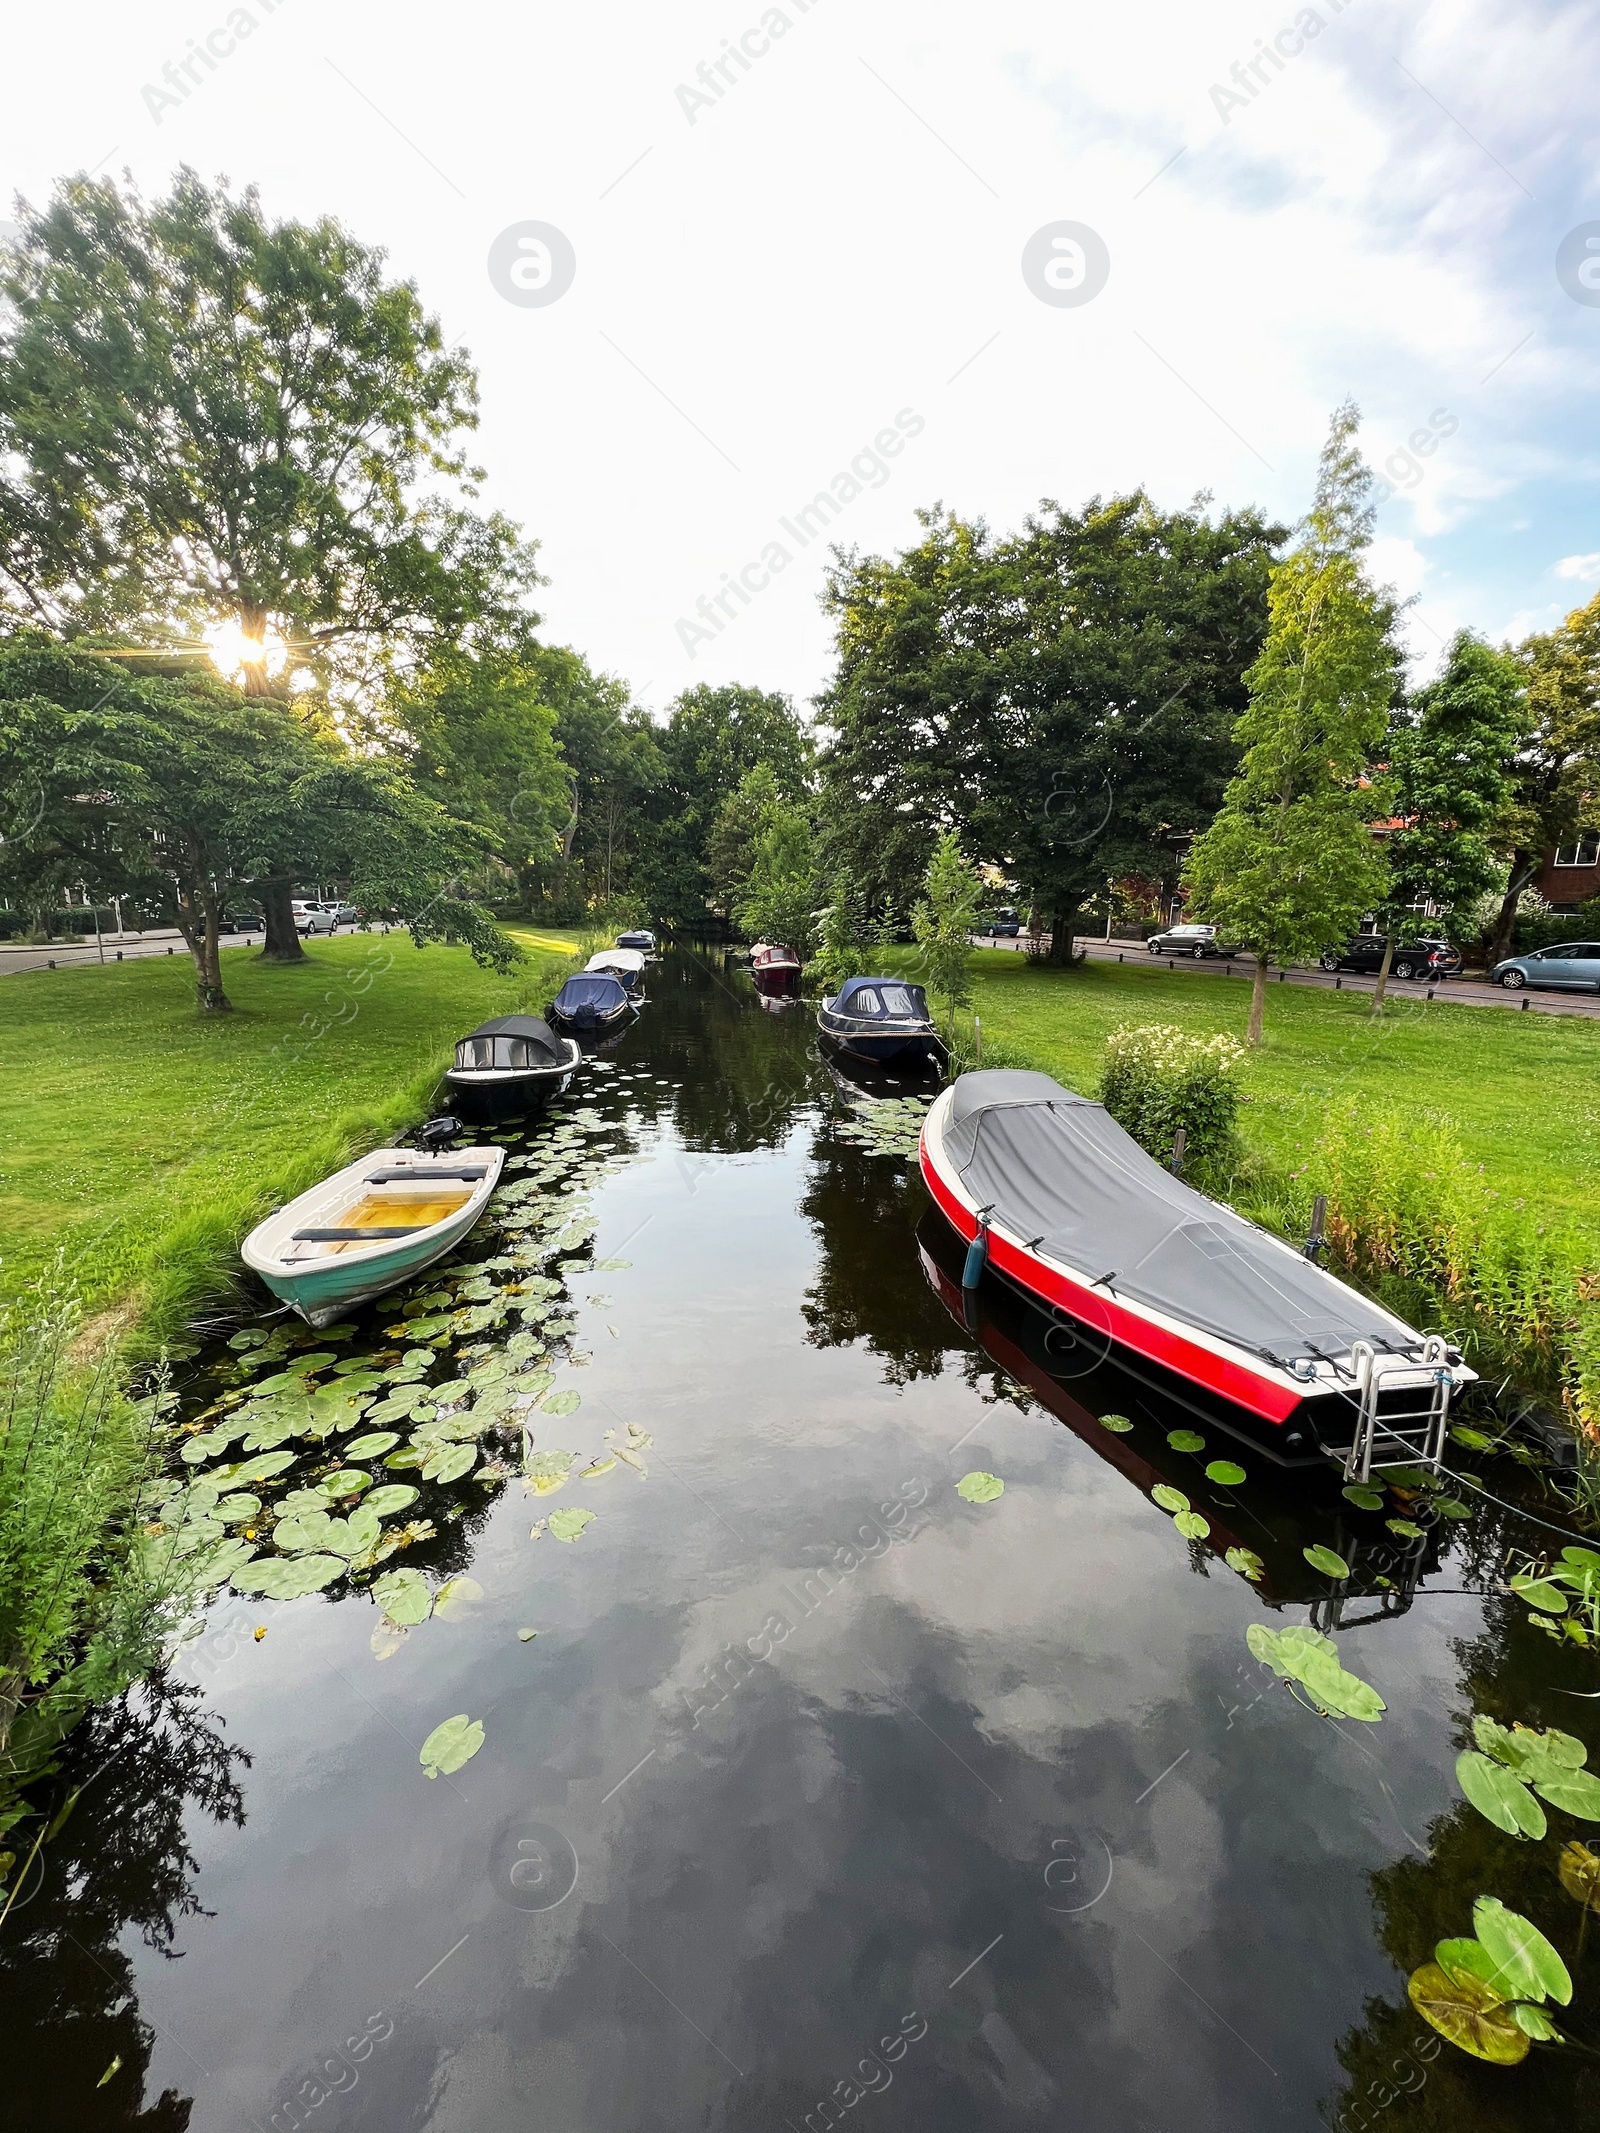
[820,1793]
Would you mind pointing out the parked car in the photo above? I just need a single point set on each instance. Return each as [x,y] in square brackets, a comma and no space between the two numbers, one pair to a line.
[312,918]
[1197,941]
[242,922]
[1427,956]
[1004,925]
[344,914]
[1570,966]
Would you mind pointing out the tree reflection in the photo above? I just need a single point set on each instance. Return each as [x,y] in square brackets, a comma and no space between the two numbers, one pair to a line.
[1510,1672]
[119,1860]
[869,1286]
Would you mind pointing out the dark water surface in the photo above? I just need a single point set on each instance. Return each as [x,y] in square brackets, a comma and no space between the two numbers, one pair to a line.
[822,1795]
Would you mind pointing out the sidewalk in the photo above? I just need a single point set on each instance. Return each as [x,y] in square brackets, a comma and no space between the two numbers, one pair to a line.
[16,956]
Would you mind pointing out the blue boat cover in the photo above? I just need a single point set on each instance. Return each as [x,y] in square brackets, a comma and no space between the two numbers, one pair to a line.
[881,1000]
[594,991]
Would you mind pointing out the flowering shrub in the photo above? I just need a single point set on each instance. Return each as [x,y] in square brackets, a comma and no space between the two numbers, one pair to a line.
[1158,1078]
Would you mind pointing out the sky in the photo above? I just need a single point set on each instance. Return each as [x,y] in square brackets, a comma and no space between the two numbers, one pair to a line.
[917,256]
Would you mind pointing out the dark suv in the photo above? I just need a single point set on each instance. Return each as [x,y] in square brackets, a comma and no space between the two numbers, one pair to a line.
[1428,956]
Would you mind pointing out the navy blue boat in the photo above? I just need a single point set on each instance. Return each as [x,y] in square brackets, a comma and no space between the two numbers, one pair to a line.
[882,1020]
[591,1002]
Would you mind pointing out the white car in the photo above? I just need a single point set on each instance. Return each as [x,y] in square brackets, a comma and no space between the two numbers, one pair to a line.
[312,918]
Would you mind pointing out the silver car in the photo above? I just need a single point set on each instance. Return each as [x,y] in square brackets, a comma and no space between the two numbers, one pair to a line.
[1570,966]
[312,918]
[1196,941]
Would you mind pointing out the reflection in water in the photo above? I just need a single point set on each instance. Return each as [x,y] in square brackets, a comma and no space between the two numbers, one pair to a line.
[141,1770]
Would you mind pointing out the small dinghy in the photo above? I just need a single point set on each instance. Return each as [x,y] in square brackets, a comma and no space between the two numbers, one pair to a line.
[776,970]
[510,1065]
[1056,1197]
[371,1226]
[884,1021]
[594,1001]
[626,965]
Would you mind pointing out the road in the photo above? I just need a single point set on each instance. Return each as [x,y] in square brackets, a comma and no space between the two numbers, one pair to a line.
[123,948]
[1460,992]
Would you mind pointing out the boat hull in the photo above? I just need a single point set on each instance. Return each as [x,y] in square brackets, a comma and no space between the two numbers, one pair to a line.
[491,1093]
[776,981]
[878,1047]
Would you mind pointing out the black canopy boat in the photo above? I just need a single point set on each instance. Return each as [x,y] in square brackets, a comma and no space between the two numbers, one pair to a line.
[883,1021]
[1055,1197]
[510,1065]
[590,1001]
[641,938]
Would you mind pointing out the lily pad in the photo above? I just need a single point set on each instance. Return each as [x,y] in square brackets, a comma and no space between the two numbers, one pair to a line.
[1363,1498]
[561,1403]
[526,1636]
[1405,1527]
[1579,1869]
[1247,1563]
[1528,1964]
[456,1597]
[448,1462]
[235,1510]
[1303,1655]
[545,1472]
[261,1468]
[1169,1498]
[1469,2014]
[1192,1525]
[372,1444]
[450,1745]
[404,1596]
[1186,1440]
[1119,1423]
[347,1481]
[393,1496]
[1499,1795]
[1452,1507]
[1324,1559]
[289,1578]
[1542,1593]
[1225,1473]
[568,1524]
[980,1487]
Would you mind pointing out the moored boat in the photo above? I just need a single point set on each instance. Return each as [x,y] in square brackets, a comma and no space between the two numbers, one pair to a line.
[1054,1196]
[884,1021]
[509,1066]
[370,1226]
[641,938]
[591,1001]
[626,965]
[775,969]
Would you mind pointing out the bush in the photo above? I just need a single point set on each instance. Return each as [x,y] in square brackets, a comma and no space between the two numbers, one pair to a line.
[1158,1078]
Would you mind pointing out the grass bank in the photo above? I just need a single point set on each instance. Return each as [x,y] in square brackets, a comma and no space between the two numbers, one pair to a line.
[141,1140]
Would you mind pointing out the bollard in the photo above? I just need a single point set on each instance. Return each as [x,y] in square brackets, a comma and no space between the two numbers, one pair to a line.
[1524,1004]
[119,955]
[169,951]
[1119,955]
[53,965]
[1180,1141]
[1171,965]
[1430,992]
[1338,984]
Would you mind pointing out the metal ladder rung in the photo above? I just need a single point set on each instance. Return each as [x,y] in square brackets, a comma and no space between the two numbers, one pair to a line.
[1419,1431]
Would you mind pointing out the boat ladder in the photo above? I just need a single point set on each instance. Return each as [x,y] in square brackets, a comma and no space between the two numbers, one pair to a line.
[1402,1433]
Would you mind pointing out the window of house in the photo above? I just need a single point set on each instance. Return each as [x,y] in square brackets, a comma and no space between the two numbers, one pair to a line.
[1584,852]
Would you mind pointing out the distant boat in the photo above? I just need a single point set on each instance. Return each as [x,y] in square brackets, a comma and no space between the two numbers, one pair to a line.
[510,1065]
[370,1226]
[884,1021]
[642,938]
[625,964]
[591,1001]
[776,970]
[1056,1197]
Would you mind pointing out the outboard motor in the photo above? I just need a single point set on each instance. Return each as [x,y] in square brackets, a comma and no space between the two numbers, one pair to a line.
[436,1136]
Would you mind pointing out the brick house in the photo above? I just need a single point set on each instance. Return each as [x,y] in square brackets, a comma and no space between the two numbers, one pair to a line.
[1570,875]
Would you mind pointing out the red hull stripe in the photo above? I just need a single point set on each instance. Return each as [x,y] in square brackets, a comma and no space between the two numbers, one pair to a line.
[1098,1310]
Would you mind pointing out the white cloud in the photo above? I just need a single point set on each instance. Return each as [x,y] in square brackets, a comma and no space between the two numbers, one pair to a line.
[1585,568]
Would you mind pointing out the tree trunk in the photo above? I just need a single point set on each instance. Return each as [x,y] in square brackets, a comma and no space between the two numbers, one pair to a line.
[1523,868]
[198,922]
[1258,1001]
[1383,972]
[281,943]
[1061,937]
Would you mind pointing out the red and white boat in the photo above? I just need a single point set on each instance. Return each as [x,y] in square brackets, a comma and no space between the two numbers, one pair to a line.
[1060,1200]
[776,970]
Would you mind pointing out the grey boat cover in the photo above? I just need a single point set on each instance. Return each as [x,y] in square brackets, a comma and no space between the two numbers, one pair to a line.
[521,1042]
[1059,1172]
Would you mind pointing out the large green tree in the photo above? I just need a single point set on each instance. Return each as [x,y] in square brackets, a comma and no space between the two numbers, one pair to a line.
[1291,863]
[1064,698]
[1452,751]
[207,415]
[1555,786]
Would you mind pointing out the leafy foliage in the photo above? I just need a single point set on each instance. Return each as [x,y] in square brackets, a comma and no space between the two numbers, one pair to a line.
[1158,1079]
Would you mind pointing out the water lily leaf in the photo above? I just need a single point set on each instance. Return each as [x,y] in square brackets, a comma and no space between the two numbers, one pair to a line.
[1186,1440]
[1575,1792]
[980,1488]
[289,1578]
[372,1444]
[219,1565]
[597,1467]
[561,1403]
[1364,1499]
[1324,1559]
[1499,1795]
[393,1496]
[1581,1559]
[567,1524]
[1225,1473]
[1247,1563]
[1169,1498]
[1579,1869]
[448,1462]
[404,1596]
[611,1266]
[526,1636]
[387,1638]
[1119,1423]
[1530,1966]
[1406,1529]
[450,1745]
[1192,1526]
[1302,1654]
[1470,2014]
[1465,1960]
[249,1337]
[1541,1593]
[1473,1439]
[545,1472]
[408,1455]
[234,1510]
[454,1598]
[348,1481]
[261,1468]
[1536,2023]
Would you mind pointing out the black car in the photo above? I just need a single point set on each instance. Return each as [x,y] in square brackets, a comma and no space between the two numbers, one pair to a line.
[241,922]
[1005,925]
[1428,956]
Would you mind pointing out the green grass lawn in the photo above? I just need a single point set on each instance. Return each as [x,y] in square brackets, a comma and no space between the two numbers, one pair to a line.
[142,1139]
[1521,1091]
